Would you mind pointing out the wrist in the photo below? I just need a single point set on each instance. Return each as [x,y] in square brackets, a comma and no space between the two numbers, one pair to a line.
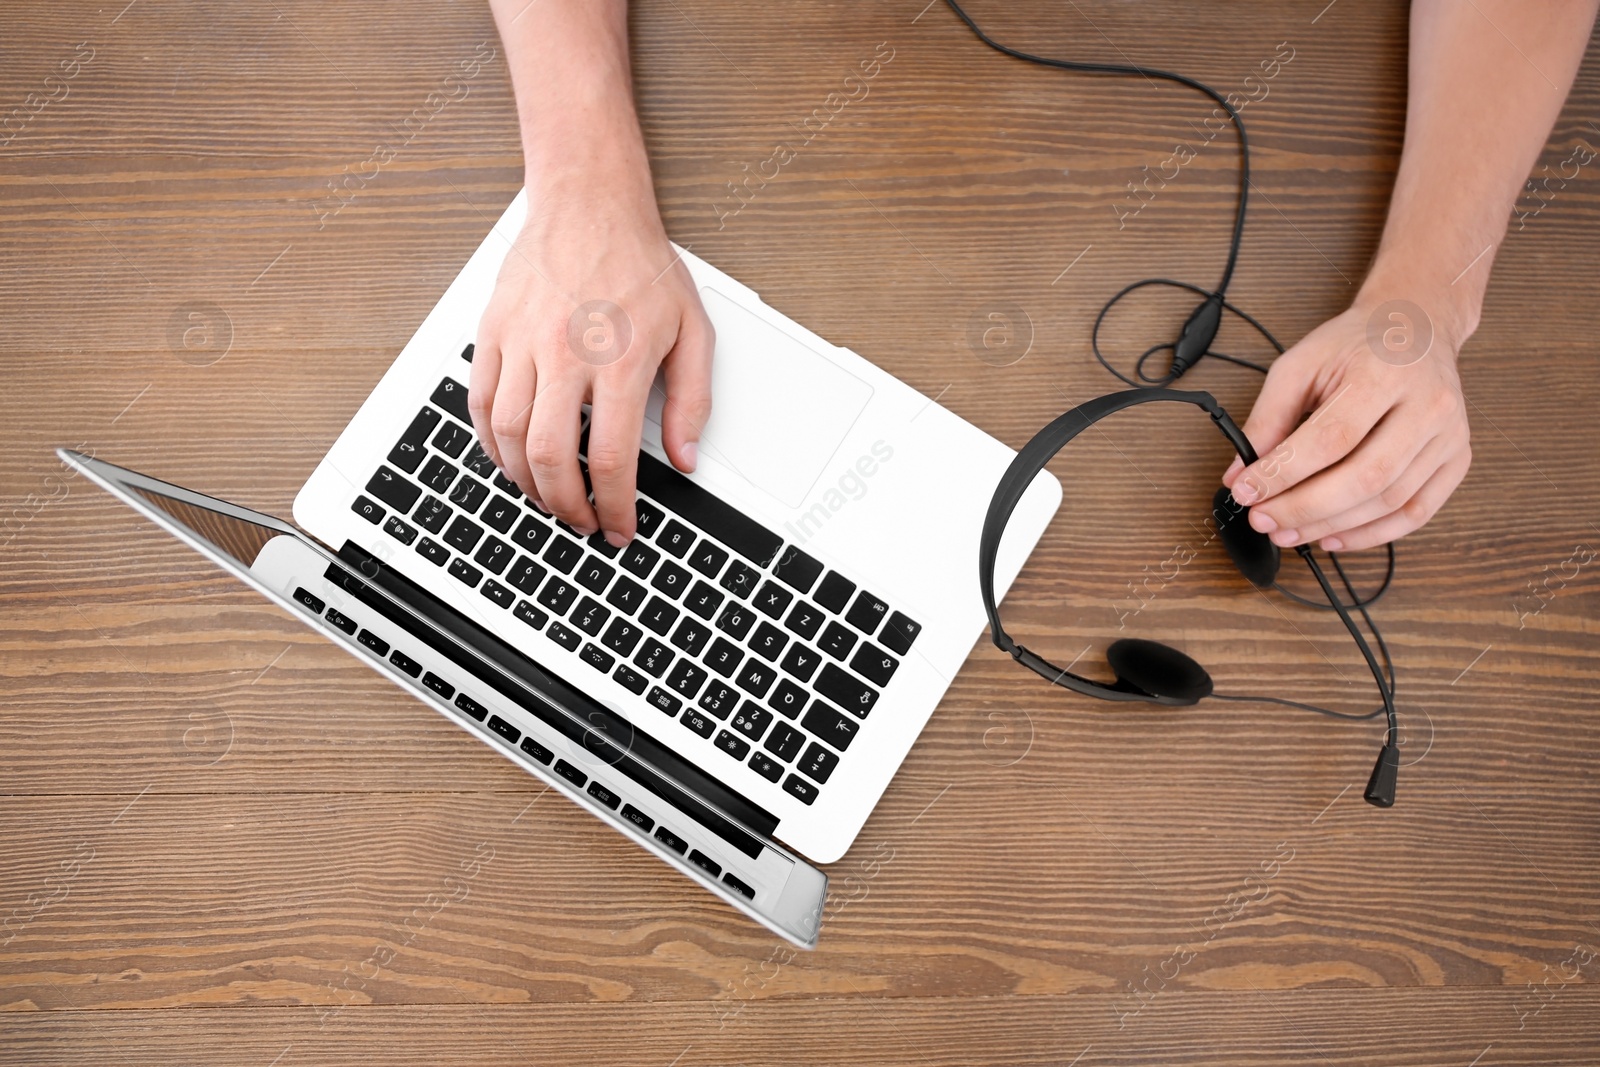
[1451,308]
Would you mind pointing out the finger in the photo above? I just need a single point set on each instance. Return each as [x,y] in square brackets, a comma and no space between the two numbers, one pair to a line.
[1284,399]
[481,381]
[1382,457]
[687,370]
[1410,516]
[510,414]
[552,451]
[1339,424]
[1391,498]
[616,424]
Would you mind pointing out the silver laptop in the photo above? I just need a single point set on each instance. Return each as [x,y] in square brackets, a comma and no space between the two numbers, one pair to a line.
[735,688]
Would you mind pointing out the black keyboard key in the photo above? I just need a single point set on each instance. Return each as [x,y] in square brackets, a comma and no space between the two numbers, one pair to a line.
[504,729]
[708,558]
[500,514]
[766,766]
[700,724]
[626,595]
[571,773]
[638,818]
[788,699]
[469,494]
[658,615]
[873,663]
[563,554]
[498,593]
[594,574]
[606,796]
[837,641]
[309,599]
[465,573]
[400,530]
[768,641]
[899,632]
[597,542]
[408,452]
[372,641]
[702,600]
[834,592]
[719,699]
[663,701]
[866,613]
[675,539]
[846,690]
[806,620]
[451,440]
[590,615]
[724,657]
[432,514]
[687,678]
[639,558]
[671,579]
[818,763]
[649,517]
[705,863]
[740,580]
[630,679]
[537,751]
[466,353]
[433,551]
[463,534]
[405,663]
[452,396]
[756,678]
[800,789]
[736,619]
[752,720]
[392,489]
[711,513]
[772,599]
[785,742]
[597,658]
[621,637]
[798,569]
[736,747]
[438,685]
[566,638]
[478,462]
[738,886]
[493,555]
[437,474]
[507,486]
[342,621]
[671,840]
[368,510]
[532,532]
[558,595]
[471,707]
[836,729]
[654,657]
[526,575]
[530,614]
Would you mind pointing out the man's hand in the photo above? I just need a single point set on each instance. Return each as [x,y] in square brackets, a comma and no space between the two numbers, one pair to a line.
[1386,441]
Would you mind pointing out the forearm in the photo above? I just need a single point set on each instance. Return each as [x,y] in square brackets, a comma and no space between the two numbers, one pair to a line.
[1479,110]
[570,72]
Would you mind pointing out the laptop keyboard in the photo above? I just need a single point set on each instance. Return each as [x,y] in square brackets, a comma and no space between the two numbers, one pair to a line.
[706,615]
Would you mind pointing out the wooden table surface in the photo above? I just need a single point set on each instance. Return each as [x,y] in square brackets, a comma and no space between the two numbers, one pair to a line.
[214,822]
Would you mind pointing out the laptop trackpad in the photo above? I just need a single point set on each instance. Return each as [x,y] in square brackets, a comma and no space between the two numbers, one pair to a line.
[780,409]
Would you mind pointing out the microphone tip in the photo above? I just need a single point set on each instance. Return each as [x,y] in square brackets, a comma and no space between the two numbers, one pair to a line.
[1380,787]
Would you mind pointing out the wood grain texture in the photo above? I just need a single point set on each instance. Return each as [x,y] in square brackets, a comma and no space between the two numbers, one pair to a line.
[213,821]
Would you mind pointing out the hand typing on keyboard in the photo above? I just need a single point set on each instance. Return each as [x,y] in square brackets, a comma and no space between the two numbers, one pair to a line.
[591,299]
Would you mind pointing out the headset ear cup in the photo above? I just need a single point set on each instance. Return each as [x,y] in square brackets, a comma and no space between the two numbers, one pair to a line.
[1159,670]
[1251,551]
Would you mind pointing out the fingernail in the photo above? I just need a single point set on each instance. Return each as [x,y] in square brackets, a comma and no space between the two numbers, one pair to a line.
[691,454]
[1331,544]
[1233,469]
[616,540]
[585,530]
[1244,491]
[1284,538]
[1262,521]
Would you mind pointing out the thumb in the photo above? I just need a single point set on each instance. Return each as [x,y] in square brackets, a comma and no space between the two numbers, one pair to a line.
[1282,403]
[687,369]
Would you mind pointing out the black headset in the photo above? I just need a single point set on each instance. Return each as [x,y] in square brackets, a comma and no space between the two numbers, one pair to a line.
[1148,671]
